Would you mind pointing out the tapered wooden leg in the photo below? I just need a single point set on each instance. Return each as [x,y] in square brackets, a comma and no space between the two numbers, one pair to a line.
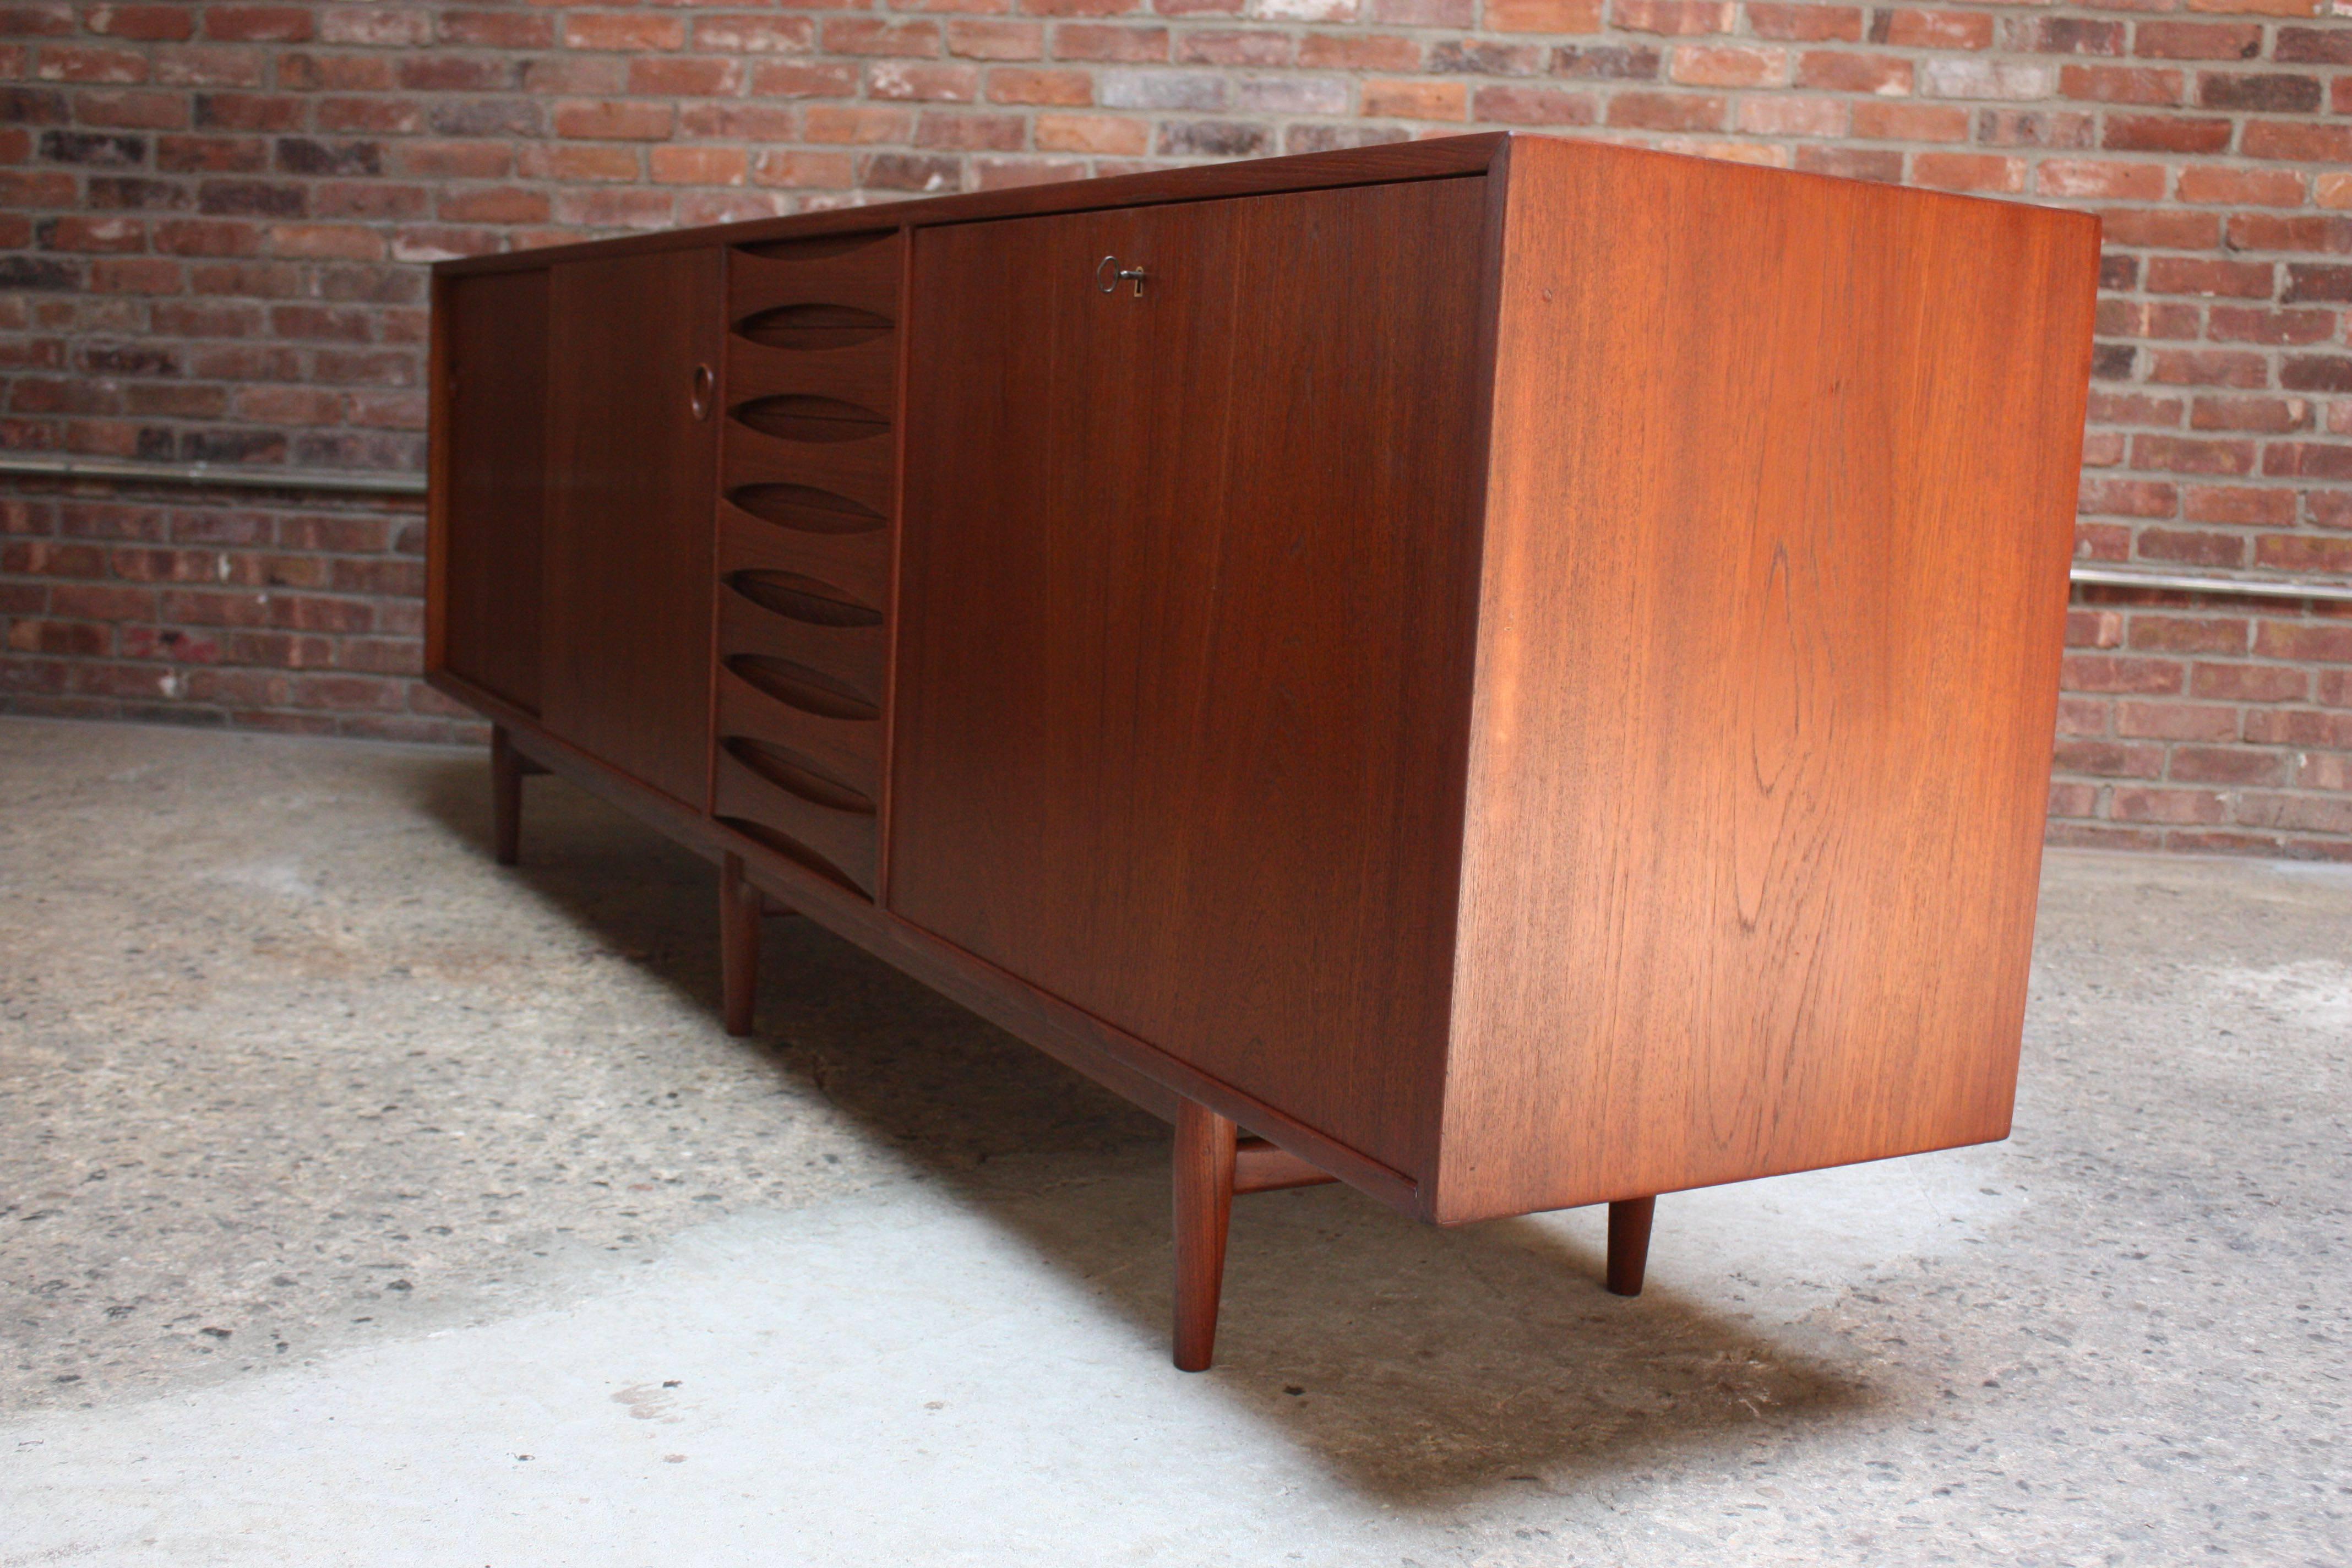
[1205,1206]
[1629,1244]
[739,943]
[506,797]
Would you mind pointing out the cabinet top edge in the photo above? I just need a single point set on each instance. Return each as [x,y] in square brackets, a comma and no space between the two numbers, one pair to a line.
[1482,153]
[1389,162]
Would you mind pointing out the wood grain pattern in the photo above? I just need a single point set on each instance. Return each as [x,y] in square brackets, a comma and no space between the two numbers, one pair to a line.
[1263,1167]
[1203,1188]
[1440,158]
[1781,502]
[863,471]
[1184,609]
[857,564]
[489,525]
[1121,1063]
[850,656]
[632,474]
[845,750]
[864,277]
[1525,691]
[864,373]
[831,841]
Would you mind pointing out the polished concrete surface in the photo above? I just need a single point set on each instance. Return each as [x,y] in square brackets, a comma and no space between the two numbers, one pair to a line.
[364,1203]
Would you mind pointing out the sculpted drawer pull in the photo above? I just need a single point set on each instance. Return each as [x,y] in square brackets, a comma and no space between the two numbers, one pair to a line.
[699,395]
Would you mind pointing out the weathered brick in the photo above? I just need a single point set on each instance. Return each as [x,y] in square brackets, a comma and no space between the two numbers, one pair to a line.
[2178,721]
[2124,84]
[1211,139]
[2298,231]
[2166,133]
[2198,40]
[146,23]
[2108,758]
[2191,275]
[1534,106]
[1949,78]
[921,81]
[1665,111]
[1967,172]
[1793,116]
[1877,121]
[2226,764]
[2270,187]
[2304,553]
[2115,673]
[1607,62]
[1474,56]
[2081,178]
[1123,43]
[2261,92]
[1542,16]
[2136,804]
[1678,17]
[1851,163]
[591,120]
[1841,71]
[2035,127]
[1416,100]
[2265,415]
[980,38]
[2249,682]
[259,23]
[2238,323]
[1094,133]
[2298,141]
[2190,547]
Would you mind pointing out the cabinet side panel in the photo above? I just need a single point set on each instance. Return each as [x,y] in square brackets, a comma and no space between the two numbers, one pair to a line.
[494,338]
[632,476]
[1781,503]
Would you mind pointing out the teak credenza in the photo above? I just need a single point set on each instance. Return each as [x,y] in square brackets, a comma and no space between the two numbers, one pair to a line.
[1519,672]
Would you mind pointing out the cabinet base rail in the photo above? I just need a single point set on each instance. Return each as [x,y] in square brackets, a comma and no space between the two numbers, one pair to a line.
[1213,1162]
[1214,1159]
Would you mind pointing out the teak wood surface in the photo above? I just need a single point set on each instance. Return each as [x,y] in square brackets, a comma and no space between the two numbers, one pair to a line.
[1771,618]
[1185,655]
[1520,671]
[489,444]
[632,479]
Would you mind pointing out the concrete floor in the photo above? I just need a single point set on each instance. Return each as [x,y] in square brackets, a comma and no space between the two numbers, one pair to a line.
[361,1203]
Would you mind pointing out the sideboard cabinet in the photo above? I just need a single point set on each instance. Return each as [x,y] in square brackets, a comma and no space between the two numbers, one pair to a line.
[1507,672]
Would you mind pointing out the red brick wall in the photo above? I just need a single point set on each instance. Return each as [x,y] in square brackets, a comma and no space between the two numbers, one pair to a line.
[215,215]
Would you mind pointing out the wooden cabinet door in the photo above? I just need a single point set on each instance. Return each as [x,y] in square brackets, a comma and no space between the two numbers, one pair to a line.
[633,465]
[1185,604]
[493,330]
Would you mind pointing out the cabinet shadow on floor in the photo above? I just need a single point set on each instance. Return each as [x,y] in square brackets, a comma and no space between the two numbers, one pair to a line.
[1417,1363]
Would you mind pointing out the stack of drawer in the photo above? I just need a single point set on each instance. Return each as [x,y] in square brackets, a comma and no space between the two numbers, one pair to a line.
[805,520]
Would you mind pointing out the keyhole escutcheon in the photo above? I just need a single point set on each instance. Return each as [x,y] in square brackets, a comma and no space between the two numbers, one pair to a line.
[1109,275]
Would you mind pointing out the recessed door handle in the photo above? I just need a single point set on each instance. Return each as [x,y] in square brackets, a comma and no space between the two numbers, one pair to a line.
[706,382]
[1109,275]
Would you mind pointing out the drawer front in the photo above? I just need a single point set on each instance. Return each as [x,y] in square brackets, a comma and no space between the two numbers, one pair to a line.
[771,801]
[843,664]
[807,525]
[849,567]
[843,751]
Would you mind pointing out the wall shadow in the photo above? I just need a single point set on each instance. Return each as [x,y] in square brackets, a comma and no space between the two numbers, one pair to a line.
[1419,1365]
